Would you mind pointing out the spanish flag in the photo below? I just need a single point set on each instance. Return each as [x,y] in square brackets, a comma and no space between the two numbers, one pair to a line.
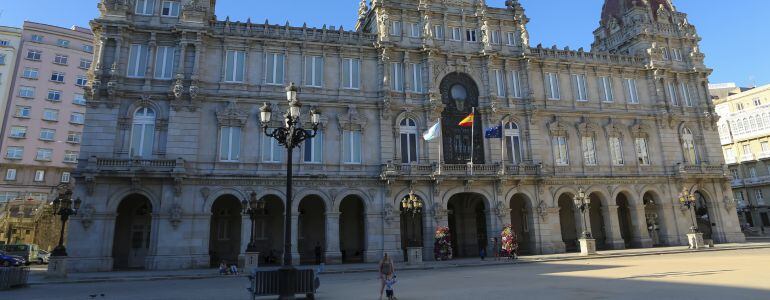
[467,122]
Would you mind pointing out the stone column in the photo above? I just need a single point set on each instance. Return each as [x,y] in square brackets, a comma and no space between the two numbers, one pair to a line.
[640,237]
[614,239]
[548,238]
[333,254]
[373,237]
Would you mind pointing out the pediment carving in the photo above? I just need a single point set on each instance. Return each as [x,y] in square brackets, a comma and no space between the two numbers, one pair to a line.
[232,116]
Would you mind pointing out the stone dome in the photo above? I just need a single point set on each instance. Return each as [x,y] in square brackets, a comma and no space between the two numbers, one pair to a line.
[616,8]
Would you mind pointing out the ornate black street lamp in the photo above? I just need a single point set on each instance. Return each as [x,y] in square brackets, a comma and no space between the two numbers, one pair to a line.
[582,203]
[63,206]
[411,206]
[290,135]
[252,208]
[687,200]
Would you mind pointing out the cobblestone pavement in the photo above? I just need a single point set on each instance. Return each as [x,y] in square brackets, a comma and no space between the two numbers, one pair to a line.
[736,274]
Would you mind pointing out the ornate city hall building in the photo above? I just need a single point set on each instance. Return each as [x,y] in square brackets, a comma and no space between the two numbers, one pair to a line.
[173,142]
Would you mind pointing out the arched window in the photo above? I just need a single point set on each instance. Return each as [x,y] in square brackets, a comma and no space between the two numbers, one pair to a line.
[408,131]
[142,132]
[512,143]
[688,146]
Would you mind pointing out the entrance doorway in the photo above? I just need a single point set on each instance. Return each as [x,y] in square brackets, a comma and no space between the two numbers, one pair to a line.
[311,230]
[131,243]
[352,229]
[269,231]
[467,224]
[225,230]
[596,218]
[521,221]
[567,223]
[411,228]
[702,215]
[624,218]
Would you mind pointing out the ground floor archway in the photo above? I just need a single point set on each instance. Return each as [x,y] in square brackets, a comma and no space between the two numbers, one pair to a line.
[311,230]
[411,227]
[522,223]
[467,224]
[596,219]
[269,230]
[653,215]
[567,224]
[352,233]
[131,243]
[702,215]
[624,219]
[225,230]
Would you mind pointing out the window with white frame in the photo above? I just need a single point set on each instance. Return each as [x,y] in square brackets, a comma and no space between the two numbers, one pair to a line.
[589,150]
[677,54]
[438,32]
[60,59]
[746,150]
[688,146]
[765,146]
[397,76]
[44,154]
[470,35]
[81,81]
[65,177]
[54,96]
[37,38]
[272,152]
[408,135]
[2,59]
[351,73]
[417,85]
[672,94]
[79,99]
[74,137]
[351,146]
[50,114]
[642,151]
[18,132]
[57,77]
[85,63]
[10,174]
[235,66]
[664,50]
[314,71]
[512,135]
[30,73]
[579,87]
[456,33]
[395,28]
[170,9]
[752,172]
[142,132]
[39,175]
[499,83]
[560,150]
[511,38]
[552,86]
[71,156]
[605,84]
[47,134]
[759,197]
[515,84]
[22,111]
[616,151]
[632,94]
[14,152]
[313,149]
[77,118]
[87,48]
[275,68]
[495,37]
[229,143]
[164,62]
[35,55]
[27,92]
[137,60]
[414,30]
[144,7]
[63,43]
[686,94]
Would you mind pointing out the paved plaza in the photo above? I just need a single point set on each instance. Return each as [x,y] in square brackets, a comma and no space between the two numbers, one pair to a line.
[734,274]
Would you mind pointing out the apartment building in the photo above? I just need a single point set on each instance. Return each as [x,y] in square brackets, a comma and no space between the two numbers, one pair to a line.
[10,40]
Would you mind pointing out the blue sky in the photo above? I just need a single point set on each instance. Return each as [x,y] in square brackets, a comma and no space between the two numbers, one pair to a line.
[735,33]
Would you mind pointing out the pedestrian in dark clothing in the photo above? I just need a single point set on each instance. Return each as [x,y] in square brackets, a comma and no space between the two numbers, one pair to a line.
[483,253]
[318,253]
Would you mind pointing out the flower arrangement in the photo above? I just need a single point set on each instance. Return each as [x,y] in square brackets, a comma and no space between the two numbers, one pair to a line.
[442,247]
[510,243]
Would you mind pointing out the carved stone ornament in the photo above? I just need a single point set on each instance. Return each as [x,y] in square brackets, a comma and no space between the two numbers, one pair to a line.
[558,128]
[90,185]
[205,192]
[114,7]
[352,120]
[175,215]
[542,210]
[86,214]
[501,210]
[387,214]
[232,116]
[178,88]
[729,203]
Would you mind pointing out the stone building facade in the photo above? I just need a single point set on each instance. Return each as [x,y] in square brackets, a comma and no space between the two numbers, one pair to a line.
[167,159]
[744,130]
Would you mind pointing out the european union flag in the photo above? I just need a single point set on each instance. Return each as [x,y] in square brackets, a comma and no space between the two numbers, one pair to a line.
[494,132]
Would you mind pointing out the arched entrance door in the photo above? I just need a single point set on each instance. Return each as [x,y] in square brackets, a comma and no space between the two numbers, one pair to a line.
[131,243]
[311,230]
[411,227]
[702,215]
[569,234]
[467,224]
[521,221]
[352,240]
[460,95]
[597,221]
[624,219]
[652,216]
[225,230]
[269,231]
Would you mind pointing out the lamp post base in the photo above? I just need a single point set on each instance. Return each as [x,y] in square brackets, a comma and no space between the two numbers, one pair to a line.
[57,267]
[587,246]
[695,240]
[414,255]
[250,261]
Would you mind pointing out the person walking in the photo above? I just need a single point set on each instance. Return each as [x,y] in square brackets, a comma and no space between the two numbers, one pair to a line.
[386,270]
[318,251]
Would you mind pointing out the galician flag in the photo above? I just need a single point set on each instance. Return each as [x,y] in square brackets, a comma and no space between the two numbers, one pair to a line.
[433,132]
[467,122]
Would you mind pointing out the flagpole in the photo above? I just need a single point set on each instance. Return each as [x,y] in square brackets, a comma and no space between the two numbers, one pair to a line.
[440,142]
[473,125]
[502,145]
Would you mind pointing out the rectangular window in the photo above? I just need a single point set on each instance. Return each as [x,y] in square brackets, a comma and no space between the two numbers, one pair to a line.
[351,73]
[30,73]
[351,144]
[616,151]
[13,152]
[672,94]
[552,86]
[85,63]
[414,30]
[63,43]
[579,87]
[395,28]
[746,150]
[642,153]
[81,81]
[74,137]
[513,147]
[752,172]
[664,50]
[275,68]
[44,154]
[397,77]
[589,150]
[272,152]
[37,38]
[417,78]
[511,38]
[677,54]
[35,55]
[438,32]
[760,198]
[79,99]
[455,33]
[39,175]
[88,48]
[51,114]
[164,62]
[470,35]
[170,9]
[230,144]
[10,174]
[495,37]
[60,59]
[757,102]
[605,84]
[27,92]
[22,111]
[47,134]
[560,151]
[2,58]
[54,96]
[515,84]
[77,118]
[236,64]
[631,92]
[686,94]
[57,77]
[314,71]
[18,132]
[735,173]
[65,177]
[408,147]
[313,149]
[499,83]
[5,43]
[144,7]
[137,60]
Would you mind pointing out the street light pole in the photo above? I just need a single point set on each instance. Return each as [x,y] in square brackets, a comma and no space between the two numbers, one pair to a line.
[290,136]
[252,207]
[581,202]
[63,206]
[687,200]
[411,206]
